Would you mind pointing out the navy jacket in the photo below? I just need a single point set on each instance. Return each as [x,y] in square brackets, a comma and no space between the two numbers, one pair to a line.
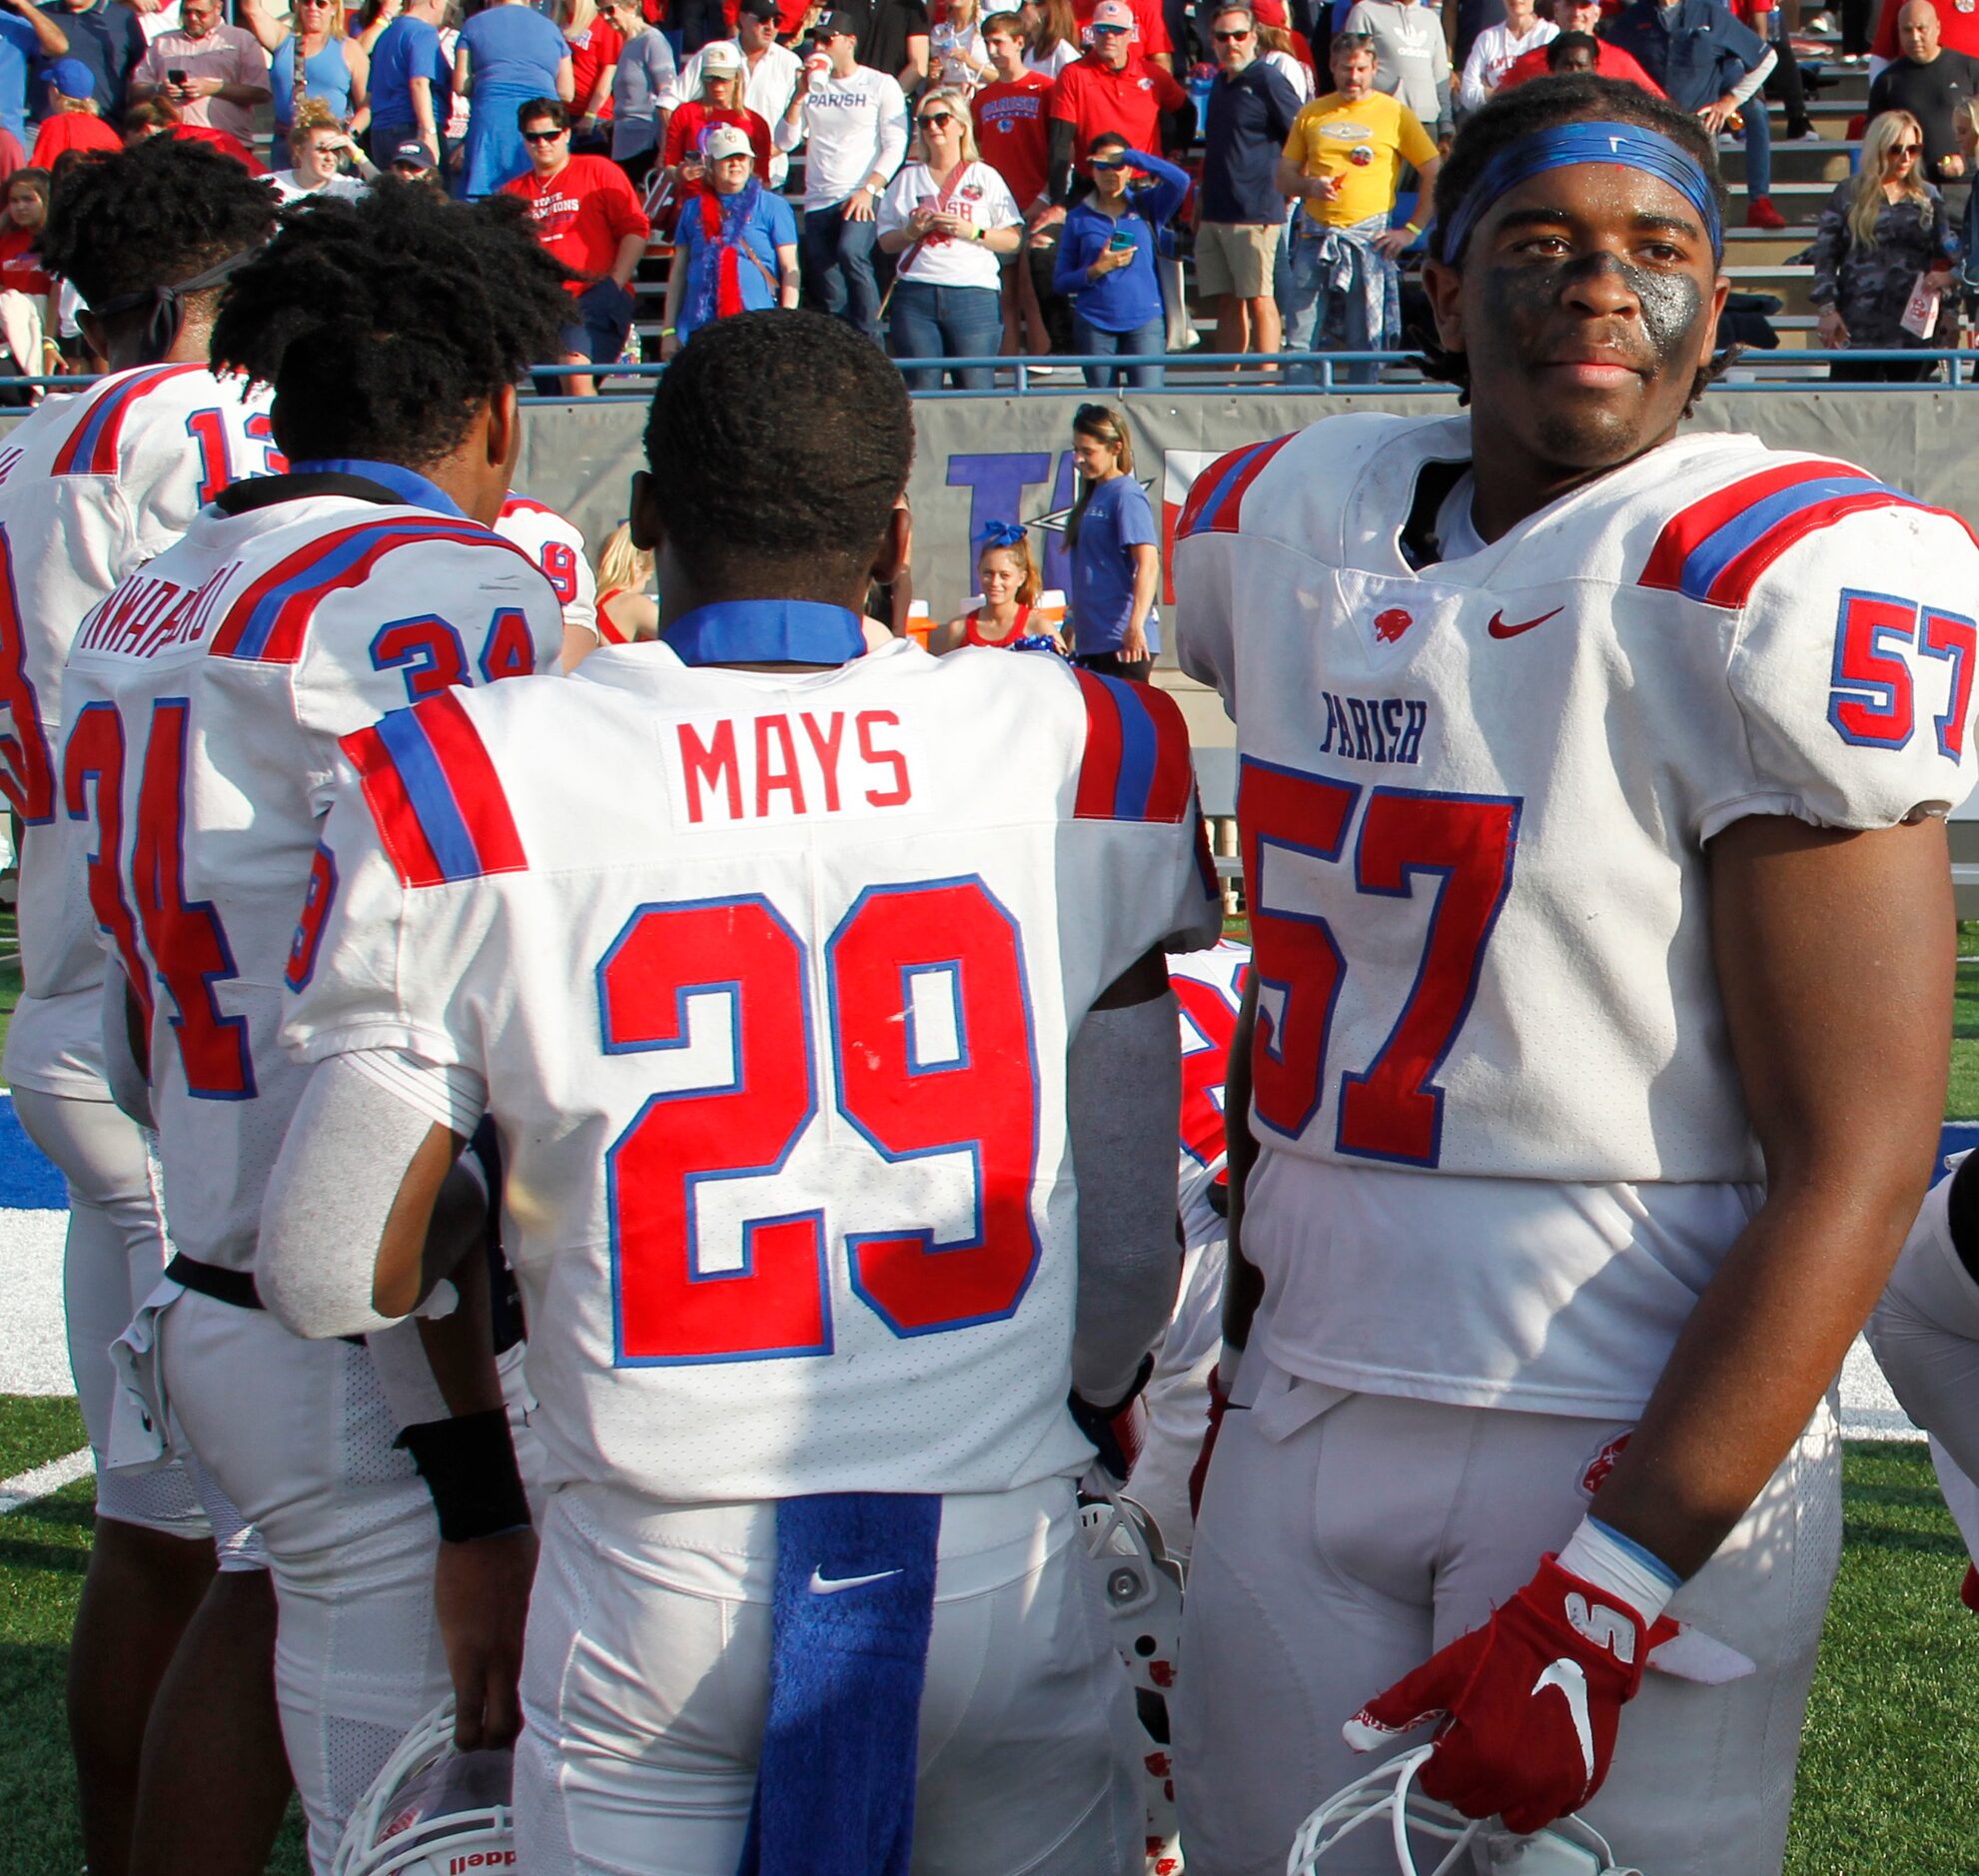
[1696,53]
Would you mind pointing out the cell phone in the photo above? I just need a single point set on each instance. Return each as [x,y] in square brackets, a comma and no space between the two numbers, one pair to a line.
[1119,240]
[176,75]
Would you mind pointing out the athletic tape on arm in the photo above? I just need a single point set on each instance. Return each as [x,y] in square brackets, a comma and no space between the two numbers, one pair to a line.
[1125,1100]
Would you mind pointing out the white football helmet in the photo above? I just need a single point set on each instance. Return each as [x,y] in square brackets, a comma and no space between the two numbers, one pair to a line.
[433,1810]
[1386,1797]
[1143,1601]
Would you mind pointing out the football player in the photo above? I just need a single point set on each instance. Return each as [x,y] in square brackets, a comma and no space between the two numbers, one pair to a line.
[847,1139]
[557,547]
[205,697]
[1592,784]
[91,487]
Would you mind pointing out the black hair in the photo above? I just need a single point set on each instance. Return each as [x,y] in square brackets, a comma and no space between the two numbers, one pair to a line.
[551,108]
[386,323]
[777,445]
[151,216]
[1570,42]
[1107,140]
[1543,104]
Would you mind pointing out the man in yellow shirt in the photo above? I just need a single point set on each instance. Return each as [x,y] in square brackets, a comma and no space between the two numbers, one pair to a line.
[1343,161]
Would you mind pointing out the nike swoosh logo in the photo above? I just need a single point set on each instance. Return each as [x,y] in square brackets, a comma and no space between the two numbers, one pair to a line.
[1500,630]
[823,1585]
[1569,1677]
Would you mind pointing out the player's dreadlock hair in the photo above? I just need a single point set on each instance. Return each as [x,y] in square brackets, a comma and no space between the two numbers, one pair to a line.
[386,323]
[1542,104]
[778,441]
[129,221]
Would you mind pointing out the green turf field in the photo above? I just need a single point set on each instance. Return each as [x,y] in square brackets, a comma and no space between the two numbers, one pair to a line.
[1885,1780]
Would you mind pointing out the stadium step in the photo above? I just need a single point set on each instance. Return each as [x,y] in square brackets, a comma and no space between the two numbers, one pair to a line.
[1826,161]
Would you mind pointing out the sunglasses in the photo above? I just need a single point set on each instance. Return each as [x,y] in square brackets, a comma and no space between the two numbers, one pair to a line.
[1242,32]
[1108,32]
[1106,163]
[1906,149]
[543,136]
[935,119]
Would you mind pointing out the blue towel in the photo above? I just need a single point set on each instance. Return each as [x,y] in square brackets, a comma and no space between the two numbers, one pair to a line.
[854,1603]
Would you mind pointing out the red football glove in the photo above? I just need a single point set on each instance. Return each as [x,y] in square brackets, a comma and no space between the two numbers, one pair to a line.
[1219,1401]
[1528,1703]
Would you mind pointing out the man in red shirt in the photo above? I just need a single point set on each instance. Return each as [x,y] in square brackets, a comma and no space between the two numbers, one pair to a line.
[73,123]
[588,215]
[1580,16]
[1113,89]
[1010,132]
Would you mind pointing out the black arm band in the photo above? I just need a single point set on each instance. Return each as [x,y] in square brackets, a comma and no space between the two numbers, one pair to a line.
[469,1465]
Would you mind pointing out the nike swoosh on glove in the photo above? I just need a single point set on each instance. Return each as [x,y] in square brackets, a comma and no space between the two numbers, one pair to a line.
[1528,1704]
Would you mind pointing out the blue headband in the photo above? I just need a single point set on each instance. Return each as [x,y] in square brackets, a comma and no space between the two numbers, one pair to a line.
[1629,145]
[1001,534]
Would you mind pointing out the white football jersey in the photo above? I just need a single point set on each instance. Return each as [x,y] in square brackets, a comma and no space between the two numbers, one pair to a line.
[91,487]
[777,1049]
[557,547]
[1475,799]
[207,695]
[1209,992]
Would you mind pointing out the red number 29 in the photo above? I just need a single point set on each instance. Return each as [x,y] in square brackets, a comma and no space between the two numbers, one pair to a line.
[682,975]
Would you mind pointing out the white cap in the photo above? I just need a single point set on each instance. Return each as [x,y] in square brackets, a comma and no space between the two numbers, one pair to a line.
[724,139]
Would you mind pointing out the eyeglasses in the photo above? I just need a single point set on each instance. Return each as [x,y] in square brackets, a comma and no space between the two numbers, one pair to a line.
[543,136]
[935,119]
[1242,32]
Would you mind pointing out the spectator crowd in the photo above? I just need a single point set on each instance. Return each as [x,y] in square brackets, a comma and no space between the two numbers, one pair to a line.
[962,185]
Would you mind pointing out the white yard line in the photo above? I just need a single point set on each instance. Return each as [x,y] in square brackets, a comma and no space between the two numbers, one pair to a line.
[43,1480]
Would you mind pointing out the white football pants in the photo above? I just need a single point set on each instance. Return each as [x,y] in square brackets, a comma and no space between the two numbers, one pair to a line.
[646,1681]
[1346,1537]
[301,1434]
[115,1253]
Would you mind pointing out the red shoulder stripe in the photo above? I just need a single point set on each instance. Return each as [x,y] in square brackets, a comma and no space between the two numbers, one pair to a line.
[1690,528]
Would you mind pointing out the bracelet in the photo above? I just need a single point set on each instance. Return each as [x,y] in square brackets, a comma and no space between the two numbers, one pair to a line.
[670,332]
[1410,228]
[469,1465]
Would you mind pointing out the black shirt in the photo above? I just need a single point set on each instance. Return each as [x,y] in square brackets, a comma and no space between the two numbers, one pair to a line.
[1250,117]
[889,25]
[1933,94]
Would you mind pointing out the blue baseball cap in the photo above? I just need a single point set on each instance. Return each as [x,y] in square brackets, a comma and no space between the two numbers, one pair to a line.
[72,78]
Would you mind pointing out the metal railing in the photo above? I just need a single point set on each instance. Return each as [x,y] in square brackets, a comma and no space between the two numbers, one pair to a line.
[1223,372]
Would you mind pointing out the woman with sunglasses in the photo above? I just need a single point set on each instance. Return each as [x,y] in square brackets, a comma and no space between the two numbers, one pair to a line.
[1882,230]
[315,60]
[948,216]
[1106,261]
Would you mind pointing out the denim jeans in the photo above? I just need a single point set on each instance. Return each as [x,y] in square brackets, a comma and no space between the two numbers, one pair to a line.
[836,259]
[1325,312]
[925,321]
[1760,142]
[1144,342]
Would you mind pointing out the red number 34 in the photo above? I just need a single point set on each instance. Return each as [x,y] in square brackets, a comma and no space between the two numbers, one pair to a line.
[968,1086]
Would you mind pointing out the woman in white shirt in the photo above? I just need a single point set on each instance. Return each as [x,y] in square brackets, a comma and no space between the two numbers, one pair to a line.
[1493,50]
[948,216]
[318,146]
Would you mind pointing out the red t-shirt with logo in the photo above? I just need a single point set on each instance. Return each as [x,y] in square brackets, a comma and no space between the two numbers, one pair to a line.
[20,270]
[1094,98]
[581,213]
[684,127]
[592,51]
[1011,133]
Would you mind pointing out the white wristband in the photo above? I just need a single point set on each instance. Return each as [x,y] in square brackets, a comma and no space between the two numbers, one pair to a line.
[1626,1571]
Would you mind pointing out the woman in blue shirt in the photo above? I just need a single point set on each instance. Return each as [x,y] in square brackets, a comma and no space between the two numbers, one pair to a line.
[508,53]
[736,246]
[335,68]
[1115,550]
[1106,260]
